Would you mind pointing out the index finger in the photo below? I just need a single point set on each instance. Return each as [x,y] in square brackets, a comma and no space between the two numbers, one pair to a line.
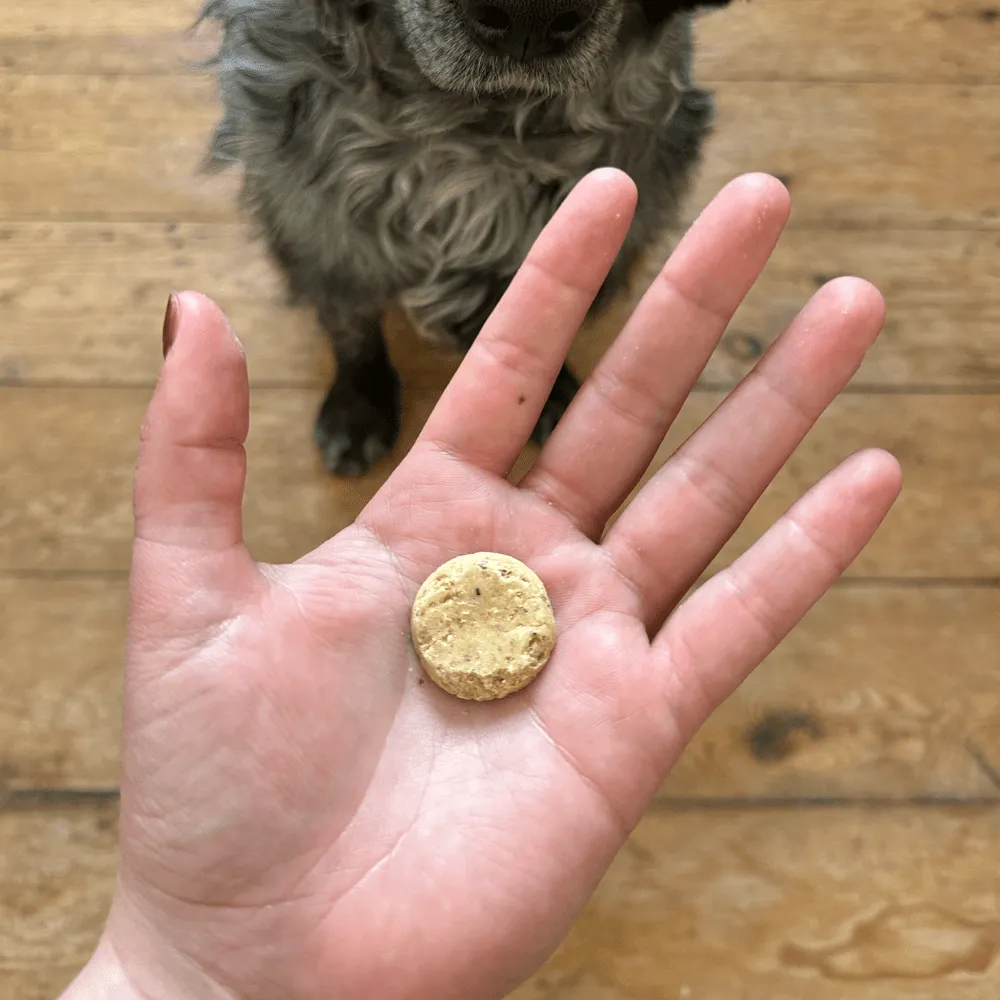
[487,413]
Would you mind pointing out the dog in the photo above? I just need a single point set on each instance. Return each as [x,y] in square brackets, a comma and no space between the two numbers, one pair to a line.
[409,152]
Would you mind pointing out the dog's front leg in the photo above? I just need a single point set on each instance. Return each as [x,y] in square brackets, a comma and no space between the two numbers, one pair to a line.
[566,384]
[464,331]
[556,405]
[358,422]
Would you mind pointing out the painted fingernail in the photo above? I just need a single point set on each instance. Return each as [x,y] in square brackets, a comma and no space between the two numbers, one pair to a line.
[170,323]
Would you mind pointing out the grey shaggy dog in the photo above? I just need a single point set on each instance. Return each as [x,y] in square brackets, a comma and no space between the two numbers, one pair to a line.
[410,151]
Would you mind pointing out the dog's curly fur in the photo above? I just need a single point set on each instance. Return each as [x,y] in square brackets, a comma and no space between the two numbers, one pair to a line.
[390,158]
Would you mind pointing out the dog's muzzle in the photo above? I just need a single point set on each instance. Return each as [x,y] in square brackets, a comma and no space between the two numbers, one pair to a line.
[527,29]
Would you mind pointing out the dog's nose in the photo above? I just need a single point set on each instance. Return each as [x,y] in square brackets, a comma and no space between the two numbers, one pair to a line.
[526,29]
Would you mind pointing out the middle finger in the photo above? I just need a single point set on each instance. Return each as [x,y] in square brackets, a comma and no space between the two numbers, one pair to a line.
[613,427]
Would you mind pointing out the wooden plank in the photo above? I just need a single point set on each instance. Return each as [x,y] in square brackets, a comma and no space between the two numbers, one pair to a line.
[906,40]
[164,182]
[918,40]
[784,905]
[942,328]
[887,692]
[48,50]
[57,874]
[58,515]
[95,36]
[83,303]
[83,522]
[88,114]
[729,905]
[856,155]
[95,18]
[61,660]
[884,692]
[947,522]
[73,268]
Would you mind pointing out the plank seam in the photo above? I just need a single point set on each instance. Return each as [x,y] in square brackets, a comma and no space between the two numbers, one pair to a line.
[16,573]
[724,804]
[42,798]
[33,799]
[978,82]
[990,228]
[700,388]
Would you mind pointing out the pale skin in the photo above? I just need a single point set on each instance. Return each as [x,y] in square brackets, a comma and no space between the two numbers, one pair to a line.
[304,816]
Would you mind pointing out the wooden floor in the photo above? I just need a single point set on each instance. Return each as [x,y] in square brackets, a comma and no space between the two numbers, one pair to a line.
[835,831]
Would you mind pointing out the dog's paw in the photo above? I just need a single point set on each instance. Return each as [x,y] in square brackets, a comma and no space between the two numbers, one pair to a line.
[555,406]
[353,433]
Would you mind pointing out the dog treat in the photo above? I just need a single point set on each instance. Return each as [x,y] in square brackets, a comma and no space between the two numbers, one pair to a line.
[483,626]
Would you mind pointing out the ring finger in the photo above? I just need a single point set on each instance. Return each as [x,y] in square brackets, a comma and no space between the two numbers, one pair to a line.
[681,519]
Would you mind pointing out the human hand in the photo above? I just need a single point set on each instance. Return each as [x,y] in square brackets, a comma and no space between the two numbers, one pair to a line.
[302,816]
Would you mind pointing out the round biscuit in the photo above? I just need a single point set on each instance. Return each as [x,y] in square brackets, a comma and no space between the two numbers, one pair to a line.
[482,626]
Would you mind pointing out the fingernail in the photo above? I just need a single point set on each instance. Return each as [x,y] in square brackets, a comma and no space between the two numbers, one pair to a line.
[170,323]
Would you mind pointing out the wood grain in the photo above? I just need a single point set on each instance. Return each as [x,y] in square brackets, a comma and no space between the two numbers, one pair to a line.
[83,304]
[61,661]
[88,114]
[59,515]
[859,155]
[788,905]
[881,708]
[829,716]
[57,874]
[773,904]
[887,692]
[855,155]
[97,36]
[908,40]
[894,40]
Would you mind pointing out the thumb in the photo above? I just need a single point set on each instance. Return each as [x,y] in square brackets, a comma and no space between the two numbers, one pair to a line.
[191,469]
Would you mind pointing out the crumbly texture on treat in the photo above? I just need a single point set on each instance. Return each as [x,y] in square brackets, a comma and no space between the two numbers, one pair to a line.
[483,626]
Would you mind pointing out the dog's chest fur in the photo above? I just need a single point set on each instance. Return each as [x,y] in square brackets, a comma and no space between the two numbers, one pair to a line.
[366,178]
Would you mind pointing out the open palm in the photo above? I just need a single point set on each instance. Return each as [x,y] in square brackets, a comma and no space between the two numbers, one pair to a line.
[303,816]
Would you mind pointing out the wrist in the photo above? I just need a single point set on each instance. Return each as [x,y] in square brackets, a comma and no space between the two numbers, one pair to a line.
[102,978]
[131,962]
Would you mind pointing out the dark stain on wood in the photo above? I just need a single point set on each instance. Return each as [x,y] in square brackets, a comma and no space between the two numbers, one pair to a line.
[775,736]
